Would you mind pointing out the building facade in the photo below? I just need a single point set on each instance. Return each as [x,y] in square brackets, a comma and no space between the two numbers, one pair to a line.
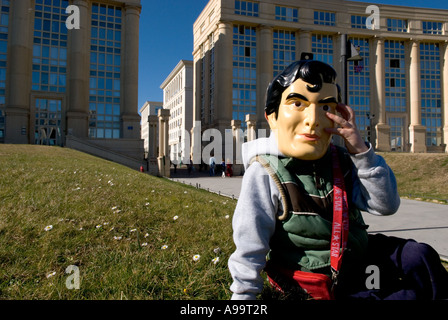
[69,69]
[399,90]
[178,99]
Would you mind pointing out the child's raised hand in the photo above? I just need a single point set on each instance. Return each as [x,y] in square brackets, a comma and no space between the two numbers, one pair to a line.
[346,128]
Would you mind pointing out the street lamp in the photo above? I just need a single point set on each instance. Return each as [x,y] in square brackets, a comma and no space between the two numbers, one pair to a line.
[348,53]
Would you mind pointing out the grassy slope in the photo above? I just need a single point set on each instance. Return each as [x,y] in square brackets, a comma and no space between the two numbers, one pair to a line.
[420,175]
[79,196]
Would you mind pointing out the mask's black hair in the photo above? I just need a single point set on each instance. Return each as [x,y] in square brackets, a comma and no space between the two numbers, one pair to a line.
[311,71]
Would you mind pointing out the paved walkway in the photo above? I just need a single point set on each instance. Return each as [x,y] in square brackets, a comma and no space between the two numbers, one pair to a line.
[423,221]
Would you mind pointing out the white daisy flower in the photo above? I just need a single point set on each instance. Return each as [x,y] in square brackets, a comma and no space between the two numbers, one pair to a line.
[216,260]
[117,237]
[51,274]
[48,228]
[164,247]
[144,244]
[175,218]
[196,257]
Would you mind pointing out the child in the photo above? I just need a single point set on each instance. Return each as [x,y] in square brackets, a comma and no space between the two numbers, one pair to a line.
[298,216]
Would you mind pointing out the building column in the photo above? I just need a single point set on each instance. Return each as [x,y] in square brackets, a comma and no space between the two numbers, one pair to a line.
[237,154]
[265,63]
[205,70]
[129,115]
[445,96]
[304,42]
[382,128]
[417,132]
[152,137]
[223,83]
[78,100]
[164,156]
[196,131]
[17,111]
[251,124]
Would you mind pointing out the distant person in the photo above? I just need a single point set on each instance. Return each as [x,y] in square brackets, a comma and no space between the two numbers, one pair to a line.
[190,166]
[229,170]
[212,164]
[223,168]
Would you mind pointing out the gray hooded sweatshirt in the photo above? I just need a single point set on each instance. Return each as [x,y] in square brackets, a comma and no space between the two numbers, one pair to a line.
[259,205]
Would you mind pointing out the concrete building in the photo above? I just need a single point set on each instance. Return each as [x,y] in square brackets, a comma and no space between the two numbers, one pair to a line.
[178,99]
[149,132]
[399,91]
[69,75]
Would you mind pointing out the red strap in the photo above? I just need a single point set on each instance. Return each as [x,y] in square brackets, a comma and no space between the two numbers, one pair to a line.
[339,233]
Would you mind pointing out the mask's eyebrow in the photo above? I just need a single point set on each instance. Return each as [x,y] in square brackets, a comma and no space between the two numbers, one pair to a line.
[329,100]
[295,95]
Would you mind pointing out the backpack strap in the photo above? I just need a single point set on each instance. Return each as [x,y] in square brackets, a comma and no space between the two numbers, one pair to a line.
[271,163]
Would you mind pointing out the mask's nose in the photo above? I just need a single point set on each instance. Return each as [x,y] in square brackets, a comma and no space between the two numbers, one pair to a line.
[311,116]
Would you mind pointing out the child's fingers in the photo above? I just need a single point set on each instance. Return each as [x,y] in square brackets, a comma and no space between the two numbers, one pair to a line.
[343,123]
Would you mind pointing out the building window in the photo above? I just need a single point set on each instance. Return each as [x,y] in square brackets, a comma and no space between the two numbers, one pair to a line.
[358,22]
[432,27]
[286,14]
[396,133]
[246,8]
[359,87]
[4,22]
[395,76]
[212,79]
[394,63]
[2,124]
[203,111]
[397,25]
[431,99]
[105,72]
[322,48]
[244,72]
[49,72]
[325,18]
[284,49]
[47,126]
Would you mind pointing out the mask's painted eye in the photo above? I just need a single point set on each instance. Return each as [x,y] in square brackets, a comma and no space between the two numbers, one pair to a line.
[297,104]
[326,108]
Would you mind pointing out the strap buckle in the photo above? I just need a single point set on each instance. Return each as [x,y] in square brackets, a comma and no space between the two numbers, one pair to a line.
[334,278]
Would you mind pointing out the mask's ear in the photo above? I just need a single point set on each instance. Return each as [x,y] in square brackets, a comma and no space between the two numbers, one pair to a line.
[272,120]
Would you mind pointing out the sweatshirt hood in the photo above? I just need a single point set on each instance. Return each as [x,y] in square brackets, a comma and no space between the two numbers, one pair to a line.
[259,146]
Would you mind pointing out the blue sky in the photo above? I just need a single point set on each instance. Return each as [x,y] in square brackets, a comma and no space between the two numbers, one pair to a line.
[166,37]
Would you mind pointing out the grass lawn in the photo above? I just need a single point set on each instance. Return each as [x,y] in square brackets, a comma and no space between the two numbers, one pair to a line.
[420,176]
[131,235]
